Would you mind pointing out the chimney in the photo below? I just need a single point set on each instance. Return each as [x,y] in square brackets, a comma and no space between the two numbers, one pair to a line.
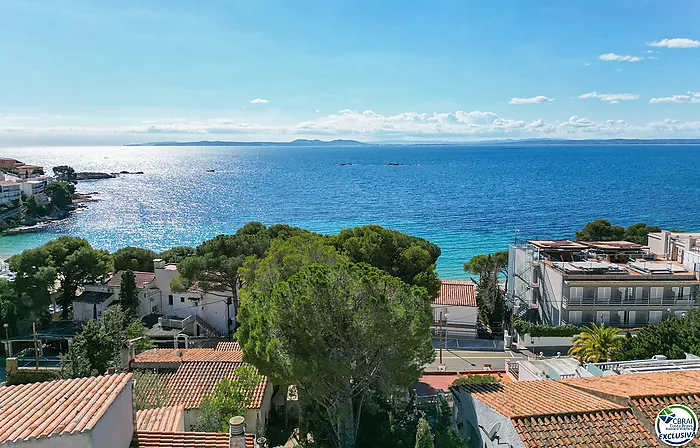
[236,432]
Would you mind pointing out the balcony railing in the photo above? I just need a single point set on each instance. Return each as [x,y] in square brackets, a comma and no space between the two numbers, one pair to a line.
[686,301]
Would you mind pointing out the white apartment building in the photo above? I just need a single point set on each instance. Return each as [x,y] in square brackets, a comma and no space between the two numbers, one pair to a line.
[617,283]
[683,247]
[9,192]
[34,187]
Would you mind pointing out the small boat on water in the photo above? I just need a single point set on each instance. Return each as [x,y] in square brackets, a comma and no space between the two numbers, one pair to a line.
[211,171]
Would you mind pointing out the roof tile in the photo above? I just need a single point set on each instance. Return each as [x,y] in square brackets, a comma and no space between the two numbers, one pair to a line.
[166,419]
[231,346]
[456,293]
[56,407]
[633,385]
[172,355]
[527,398]
[153,439]
[193,380]
[597,429]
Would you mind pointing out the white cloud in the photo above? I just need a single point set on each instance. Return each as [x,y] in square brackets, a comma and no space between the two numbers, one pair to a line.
[612,98]
[618,58]
[677,42]
[690,97]
[259,101]
[361,125]
[539,99]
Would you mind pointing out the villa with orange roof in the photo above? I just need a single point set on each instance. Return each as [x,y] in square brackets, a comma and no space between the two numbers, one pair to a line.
[187,375]
[454,309]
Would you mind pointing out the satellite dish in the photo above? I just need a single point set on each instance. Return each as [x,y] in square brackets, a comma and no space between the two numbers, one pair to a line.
[493,431]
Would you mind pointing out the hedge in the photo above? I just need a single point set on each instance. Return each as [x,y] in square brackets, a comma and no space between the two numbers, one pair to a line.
[475,379]
[24,376]
[536,331]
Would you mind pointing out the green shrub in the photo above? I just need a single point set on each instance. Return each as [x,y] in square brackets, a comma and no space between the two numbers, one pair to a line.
[536,331]
[25,376]
[475,379]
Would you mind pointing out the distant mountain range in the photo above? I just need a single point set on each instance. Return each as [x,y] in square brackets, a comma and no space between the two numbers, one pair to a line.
[535,141]
[298,142]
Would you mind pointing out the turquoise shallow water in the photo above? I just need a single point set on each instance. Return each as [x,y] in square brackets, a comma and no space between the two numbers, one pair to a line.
[468,200]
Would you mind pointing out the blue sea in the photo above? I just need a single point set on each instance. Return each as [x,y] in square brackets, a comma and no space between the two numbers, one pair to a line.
[467,199]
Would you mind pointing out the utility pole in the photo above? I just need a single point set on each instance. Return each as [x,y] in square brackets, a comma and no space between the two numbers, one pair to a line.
[443,318]
[229,301]
[36,348]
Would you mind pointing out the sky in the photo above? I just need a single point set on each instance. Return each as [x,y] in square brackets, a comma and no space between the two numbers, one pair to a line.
[106,72]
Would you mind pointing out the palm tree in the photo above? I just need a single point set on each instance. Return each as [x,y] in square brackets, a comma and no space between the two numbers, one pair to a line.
[595,344]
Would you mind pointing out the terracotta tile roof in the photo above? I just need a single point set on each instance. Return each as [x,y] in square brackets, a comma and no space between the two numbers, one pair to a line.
[682,382]
[538,398]
[141,278]
[598,429]
[165,419]
[152,389]
[172,355]
[56,407]
[193,380]
[150,439]
[231,346]
[651,406]
[456,293]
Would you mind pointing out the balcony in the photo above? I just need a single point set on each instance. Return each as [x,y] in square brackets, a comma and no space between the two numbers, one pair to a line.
[568,302]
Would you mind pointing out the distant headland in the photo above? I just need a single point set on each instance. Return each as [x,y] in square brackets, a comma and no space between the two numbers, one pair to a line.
[521,142]
[298,142]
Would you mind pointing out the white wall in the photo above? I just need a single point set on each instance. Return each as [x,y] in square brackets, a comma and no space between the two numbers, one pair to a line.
[472,413]
[457,315]
[116,427]
[210,307]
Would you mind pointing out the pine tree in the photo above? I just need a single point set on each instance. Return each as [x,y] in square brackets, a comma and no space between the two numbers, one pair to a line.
[424,436]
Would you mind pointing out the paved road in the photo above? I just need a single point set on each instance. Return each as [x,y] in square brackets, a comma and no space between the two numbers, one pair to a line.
[472,359]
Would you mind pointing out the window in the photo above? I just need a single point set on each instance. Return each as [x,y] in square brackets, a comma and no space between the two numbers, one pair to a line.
[575,317]
[182,300]
[626,317]
[656,292]
[639,292]
[602,317]
[604,292]
[576,292]
[655,316]
[170,299]
[676,291]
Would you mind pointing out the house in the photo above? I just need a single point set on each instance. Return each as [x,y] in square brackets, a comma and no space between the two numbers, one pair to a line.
[84,412]
[617,283]
[189,374]
[683,247]
[454,309]
[579,412]
[215,308]
[27,171]
[95,299]
[9,164]
[99,412]
[10,192]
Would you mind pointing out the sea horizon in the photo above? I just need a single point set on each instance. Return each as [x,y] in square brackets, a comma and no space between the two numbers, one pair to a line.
[467,199]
